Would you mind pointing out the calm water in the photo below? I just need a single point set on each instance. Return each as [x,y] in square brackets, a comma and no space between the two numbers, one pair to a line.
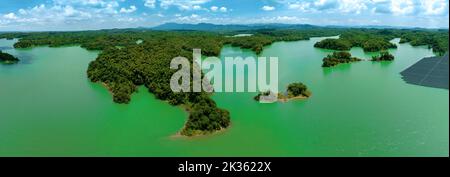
[48,107]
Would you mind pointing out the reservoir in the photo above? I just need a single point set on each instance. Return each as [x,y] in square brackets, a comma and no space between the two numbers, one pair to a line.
[48,107]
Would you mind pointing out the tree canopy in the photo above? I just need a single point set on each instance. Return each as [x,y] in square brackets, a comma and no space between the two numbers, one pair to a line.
[384,56]
[7,58]
[337,58]
[124,63]
[334,44]
[375,40]
[297,89]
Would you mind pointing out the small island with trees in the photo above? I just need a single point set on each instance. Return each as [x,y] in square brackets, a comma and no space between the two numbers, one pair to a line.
[384,56]
[6,58]
[333,44]
[294,91]
[338,58]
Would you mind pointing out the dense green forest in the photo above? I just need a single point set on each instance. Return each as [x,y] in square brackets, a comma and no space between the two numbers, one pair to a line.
[337,58]
[122,70]
[374,40]
[124,64]
[437,40]
[334,44]
[384,56]
[100,40]
[7,58]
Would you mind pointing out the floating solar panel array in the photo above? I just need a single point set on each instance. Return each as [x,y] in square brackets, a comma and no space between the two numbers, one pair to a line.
[429,72]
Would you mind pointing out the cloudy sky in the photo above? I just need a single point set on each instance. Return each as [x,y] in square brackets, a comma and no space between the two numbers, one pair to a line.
[35,15]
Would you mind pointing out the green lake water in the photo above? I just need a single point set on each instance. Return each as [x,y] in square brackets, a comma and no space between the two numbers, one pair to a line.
[48,107]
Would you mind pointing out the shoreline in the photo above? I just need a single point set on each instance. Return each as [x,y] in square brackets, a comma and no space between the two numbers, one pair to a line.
[197,133]
[283,98]
[288,99]
[186,108]
[200,133]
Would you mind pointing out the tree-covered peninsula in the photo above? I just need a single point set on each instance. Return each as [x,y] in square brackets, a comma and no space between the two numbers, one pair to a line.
[375,40]
[123,70]
[437,40]
[337,58]
[7,58]
[369,40]
[384,56]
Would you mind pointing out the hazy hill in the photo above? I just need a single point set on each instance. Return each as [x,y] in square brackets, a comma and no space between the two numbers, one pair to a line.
[231,27]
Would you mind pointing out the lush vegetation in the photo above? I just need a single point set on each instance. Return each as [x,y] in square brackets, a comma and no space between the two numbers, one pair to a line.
[7,58]
[124,64]
[210,41]
[205,117]
[384,56]
[334,44]
[371,40]
[122,70]
[337,58]
[294,91]
[264,37]
[374,40]
[298,89]
[438,40]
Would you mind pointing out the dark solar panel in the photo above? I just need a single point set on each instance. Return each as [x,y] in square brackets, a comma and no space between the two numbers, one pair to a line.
[430,72]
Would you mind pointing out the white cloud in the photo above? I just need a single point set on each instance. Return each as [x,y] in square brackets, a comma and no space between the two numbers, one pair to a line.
[130,10]
[182,4]
[410,7]
[314,6]
[214,8]
[302,6]
[150,3]
[10,16]
[65,14]
[434,7]
[395,7]
[352,6]
[194,18]
[402,7]
[282,19]
[268,8]
[196,7]
[87,3]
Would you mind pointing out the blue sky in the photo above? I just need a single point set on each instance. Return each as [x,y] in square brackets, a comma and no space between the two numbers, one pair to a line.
[36,15]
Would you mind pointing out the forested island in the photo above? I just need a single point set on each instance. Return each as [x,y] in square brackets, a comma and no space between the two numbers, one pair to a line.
[294,91]
[146,63]
[6,58]
[337,58]
[384,56]
[333,44]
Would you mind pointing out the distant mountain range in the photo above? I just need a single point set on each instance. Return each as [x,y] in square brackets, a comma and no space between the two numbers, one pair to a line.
[231,27]
[241,27]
